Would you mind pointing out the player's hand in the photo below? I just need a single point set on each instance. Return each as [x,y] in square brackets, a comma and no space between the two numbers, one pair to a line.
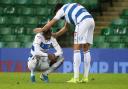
[38,30]
[52,57]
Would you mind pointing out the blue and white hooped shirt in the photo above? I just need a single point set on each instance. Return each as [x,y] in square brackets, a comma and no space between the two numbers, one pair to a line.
[74,13]
[41,46]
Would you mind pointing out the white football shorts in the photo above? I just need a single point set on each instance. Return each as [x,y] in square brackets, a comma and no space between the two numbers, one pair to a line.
[84,31]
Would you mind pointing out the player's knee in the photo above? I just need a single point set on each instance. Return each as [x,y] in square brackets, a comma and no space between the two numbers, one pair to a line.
[86,47]
[76,46]
[43,65]
[31,65]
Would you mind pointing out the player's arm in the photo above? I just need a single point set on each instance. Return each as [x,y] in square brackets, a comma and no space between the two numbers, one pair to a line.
[57,47]
[62,30]
[49,25]
[38,52]
[54,56]
[46,27]
[36,44]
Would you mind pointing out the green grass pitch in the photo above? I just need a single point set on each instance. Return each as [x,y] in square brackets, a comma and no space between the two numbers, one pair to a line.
[58,81]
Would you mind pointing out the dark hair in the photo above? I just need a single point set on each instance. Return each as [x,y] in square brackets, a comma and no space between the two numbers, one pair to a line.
[48,32]
[58,6]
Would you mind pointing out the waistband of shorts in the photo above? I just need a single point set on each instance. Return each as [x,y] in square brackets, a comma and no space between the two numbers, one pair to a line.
[85,17]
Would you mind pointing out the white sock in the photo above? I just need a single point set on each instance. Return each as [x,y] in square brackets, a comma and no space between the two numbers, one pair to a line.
[77,61]
[87,60]
[32,73]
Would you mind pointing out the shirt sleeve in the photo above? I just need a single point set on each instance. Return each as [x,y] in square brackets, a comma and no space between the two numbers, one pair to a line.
[37,39]
[38,52]
[36,44]
[57,47]
[59,14]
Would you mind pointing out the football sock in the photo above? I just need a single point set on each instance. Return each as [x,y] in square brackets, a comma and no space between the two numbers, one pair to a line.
[87,60]
[32,76]
[77,61]
[32,73]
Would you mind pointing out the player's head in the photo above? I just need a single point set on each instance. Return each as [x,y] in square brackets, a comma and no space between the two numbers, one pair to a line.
[47,34]
[57,7]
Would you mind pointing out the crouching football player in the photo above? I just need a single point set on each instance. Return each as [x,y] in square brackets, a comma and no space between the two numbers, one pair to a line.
[40,59]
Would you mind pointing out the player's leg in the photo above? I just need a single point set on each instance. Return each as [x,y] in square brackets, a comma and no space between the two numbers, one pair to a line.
[44,65]
[53,67]
[76,57]
[76,64]
[31,66]
[89,40]
[87,60]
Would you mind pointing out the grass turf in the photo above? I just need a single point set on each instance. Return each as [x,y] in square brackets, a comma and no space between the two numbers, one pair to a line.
[58,81]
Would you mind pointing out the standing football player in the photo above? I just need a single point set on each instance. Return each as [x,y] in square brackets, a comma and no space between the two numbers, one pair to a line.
[40,59]
[77,15]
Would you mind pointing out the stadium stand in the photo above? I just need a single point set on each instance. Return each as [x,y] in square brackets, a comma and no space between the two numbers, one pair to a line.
[18,18]
[113,25]
[13,44]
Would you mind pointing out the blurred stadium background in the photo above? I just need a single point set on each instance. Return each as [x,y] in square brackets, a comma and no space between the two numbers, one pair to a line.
[18,18]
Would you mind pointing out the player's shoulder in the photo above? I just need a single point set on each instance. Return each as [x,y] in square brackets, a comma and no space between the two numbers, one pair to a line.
[65,5]
[39,35]
[68,4]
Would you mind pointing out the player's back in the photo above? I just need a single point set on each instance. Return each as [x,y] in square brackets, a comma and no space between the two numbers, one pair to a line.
[75,13]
